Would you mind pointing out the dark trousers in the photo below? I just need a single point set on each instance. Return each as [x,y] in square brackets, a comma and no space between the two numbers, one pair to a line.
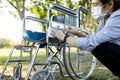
[109,54]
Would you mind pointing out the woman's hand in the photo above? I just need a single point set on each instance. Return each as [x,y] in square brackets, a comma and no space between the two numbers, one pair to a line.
[58,34]
[70,29]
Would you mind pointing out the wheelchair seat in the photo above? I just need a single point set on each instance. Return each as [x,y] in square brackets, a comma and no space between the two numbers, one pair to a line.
[33,36]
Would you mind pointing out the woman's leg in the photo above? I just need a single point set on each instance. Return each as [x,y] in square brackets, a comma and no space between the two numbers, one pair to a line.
[109,54]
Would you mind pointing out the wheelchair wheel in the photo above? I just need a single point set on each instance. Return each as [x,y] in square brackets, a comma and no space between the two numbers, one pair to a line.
[78,65]
[42,75]
[17,72]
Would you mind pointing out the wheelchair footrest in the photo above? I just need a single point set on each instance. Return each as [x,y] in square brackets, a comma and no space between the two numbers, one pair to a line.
[23,48]
[19,61]
[39,63]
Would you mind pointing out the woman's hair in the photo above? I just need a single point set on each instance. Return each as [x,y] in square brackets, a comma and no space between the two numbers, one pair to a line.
[116,3]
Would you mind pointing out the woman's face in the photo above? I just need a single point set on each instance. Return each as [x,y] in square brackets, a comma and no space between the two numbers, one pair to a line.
[106,8]
[96,3]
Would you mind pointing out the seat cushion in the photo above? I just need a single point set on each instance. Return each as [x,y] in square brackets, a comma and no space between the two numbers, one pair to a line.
[33,36]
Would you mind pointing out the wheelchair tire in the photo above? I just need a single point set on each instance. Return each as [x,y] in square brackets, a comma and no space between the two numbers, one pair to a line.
[80,65]
[17,72]
[41,75]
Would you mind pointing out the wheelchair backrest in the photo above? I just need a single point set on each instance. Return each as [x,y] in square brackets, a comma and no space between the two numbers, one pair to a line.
[66,19]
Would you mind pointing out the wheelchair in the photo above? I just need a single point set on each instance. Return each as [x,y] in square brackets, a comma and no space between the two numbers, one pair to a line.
[76,64]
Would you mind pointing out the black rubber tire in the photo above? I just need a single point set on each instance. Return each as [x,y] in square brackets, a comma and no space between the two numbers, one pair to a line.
[37,75]
[17,72]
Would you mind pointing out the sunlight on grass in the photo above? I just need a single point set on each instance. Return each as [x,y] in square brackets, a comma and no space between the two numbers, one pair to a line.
[100,73]
[4,55]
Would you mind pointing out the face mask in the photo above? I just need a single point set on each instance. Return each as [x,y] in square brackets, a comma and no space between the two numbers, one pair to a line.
[97,13]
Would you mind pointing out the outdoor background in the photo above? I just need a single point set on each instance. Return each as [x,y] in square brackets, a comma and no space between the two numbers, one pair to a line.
[12,13]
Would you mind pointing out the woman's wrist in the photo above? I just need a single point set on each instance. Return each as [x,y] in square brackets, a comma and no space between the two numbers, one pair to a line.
[65,37]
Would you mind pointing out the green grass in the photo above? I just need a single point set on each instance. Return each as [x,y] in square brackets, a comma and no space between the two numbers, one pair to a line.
[100,72]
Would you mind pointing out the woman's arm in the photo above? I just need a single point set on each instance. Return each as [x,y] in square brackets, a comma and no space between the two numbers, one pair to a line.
[74,32]
[79,34]
[72,41]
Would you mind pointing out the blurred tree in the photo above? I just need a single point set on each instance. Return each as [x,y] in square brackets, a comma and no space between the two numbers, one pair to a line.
[38,7]
[19,5]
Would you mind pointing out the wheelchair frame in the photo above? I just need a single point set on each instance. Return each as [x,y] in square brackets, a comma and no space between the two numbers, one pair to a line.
[49,70]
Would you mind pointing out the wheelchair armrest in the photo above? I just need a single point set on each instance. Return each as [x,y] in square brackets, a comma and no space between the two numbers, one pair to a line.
[36,19]
[64,10]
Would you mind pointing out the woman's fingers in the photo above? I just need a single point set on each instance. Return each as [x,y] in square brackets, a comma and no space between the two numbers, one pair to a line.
[53,32]
[58,34]
[69,26]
